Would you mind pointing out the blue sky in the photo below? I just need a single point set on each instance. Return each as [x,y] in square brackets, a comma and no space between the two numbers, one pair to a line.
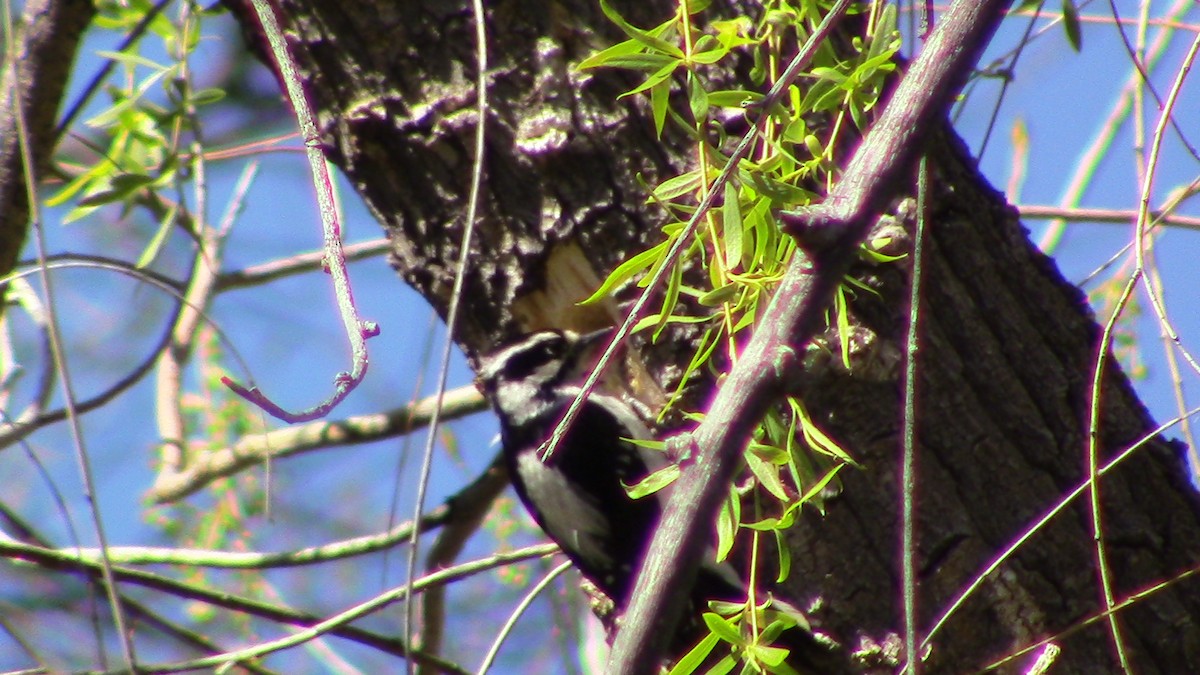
[290,335]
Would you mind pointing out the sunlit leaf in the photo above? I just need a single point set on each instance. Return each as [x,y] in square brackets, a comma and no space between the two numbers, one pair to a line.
[728,521]
[654,482]
[785,557]
[732,226]
[674,281]
[647,38]
[722,628]
[733,98]
[165,225]
[626,271]
[679,185]
[692,661]
[697,99]
[608,57]
[767,475]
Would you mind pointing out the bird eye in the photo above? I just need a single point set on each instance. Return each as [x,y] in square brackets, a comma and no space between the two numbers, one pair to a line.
[525,363]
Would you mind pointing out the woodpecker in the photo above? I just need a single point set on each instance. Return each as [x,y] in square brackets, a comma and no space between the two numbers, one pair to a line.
[577,495]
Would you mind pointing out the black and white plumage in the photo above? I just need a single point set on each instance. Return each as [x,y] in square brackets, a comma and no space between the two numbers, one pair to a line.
[577,495]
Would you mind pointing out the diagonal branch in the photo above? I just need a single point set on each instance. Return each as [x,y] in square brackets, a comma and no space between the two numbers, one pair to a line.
[832,232]
[206,466]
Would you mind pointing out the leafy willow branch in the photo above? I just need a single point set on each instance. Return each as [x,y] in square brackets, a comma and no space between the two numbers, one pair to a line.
[834,229]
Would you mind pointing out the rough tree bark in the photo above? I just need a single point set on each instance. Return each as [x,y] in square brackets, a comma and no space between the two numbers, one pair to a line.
[1008,344]
[31,90]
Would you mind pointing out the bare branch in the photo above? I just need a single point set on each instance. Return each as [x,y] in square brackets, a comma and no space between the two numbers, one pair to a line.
[203,468]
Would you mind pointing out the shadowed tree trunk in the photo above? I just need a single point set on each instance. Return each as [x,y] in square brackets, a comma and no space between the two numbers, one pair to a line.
[31,89]
[1006,361]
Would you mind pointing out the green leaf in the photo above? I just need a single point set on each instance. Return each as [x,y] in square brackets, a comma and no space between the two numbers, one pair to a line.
[208,96]
[816,438]
[761,228]
[118,189]
[165,225]
[1071,25]
[694,659]
[708,343]
[125,103]
[655,320]
[98,194]
[682,184]
[723,628]
[654,482]
[656,78]
[718,296]
[642,61]
[128,183]
[96,172]
[771,656]
[823,95]
[727,523]
[724,666]
[647,38]
[733,32]
[828,74]
[659,98]
[770,453]
[733,98]
[841,314]
[709,56]
[674,281]
[767,475]
[733,228]
[697,99]
[886,39]
[132,60]
[769,524]
[605,57]
[785,557]
[817,487]
[627,270]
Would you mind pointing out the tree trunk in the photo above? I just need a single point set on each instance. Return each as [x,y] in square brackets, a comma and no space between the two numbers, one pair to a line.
[1006,361]
[31,91]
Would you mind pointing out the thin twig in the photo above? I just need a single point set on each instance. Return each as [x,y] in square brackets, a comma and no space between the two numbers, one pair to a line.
[1094,393]
[1128,602]
[205,467]
[908,480]
[297,264]
[24,425]
[469,515]
[168,380]
[87,476]
[1037,526]
[357,330]
[519,610]
[452,312]
[137,610]
[314,625]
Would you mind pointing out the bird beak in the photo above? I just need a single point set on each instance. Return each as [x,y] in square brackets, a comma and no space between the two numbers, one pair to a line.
[594,338]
